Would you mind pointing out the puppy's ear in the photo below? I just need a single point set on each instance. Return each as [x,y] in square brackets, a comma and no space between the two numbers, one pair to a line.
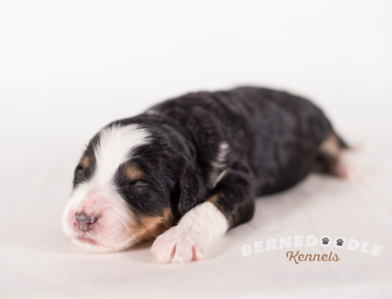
[193,191]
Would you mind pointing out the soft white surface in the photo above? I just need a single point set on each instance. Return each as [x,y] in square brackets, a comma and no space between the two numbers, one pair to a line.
[69,67]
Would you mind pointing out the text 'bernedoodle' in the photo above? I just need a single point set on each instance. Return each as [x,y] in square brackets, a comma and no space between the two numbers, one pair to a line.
[310,241]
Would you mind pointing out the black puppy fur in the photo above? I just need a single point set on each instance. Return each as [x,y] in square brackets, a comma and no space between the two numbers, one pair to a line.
[265,141]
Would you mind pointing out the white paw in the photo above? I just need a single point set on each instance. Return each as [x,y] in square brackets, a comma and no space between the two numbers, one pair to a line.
[179,245]
[188,241]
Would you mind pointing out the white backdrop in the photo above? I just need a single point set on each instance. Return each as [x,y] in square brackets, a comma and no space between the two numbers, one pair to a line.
[67,68]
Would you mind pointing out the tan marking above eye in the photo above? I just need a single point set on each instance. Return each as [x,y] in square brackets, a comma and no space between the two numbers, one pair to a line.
[133,172]
[85,162]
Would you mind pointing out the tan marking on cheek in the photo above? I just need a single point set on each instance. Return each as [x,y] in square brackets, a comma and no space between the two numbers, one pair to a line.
[85,162]
[152,226]
[134,173]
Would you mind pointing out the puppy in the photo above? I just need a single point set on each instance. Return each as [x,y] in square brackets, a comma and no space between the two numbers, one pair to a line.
[190,168]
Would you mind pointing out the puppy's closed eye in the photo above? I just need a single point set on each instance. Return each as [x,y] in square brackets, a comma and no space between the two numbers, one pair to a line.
[139,183]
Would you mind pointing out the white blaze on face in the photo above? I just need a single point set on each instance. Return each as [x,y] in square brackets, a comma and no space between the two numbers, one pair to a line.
[98,196]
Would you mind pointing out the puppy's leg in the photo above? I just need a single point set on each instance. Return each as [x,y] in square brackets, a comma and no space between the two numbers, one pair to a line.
[337,159]
[230,204]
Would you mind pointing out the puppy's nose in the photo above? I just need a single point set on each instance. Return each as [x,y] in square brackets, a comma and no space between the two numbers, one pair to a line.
[85,222]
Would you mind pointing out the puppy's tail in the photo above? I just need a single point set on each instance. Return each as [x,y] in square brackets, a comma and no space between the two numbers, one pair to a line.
[344,146]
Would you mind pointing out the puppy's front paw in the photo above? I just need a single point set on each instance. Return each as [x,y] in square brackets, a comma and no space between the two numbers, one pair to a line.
[178,245]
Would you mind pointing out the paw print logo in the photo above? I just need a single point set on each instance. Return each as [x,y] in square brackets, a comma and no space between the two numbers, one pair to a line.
[339,242]
[325,241]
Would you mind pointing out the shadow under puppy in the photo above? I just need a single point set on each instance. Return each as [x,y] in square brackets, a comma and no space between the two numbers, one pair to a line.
[190,168]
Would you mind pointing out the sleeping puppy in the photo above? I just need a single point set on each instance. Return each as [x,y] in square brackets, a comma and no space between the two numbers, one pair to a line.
[190,168]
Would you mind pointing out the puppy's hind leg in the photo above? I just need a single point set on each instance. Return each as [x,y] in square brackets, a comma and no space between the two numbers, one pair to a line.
[336,158]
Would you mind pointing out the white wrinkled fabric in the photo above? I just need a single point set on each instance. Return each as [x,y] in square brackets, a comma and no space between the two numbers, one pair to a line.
[38,261]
